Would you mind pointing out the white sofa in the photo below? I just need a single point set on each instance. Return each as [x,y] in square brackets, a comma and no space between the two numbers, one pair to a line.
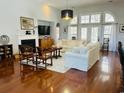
[82,58]
[69,44]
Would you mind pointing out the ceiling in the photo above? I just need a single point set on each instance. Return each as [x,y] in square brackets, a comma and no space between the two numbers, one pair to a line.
[75,3]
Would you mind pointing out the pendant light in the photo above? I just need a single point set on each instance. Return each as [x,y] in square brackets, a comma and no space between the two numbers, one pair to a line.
[67,13]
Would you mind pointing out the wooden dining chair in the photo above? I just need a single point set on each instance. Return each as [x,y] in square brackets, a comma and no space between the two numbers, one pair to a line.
[26,54]
[45,54]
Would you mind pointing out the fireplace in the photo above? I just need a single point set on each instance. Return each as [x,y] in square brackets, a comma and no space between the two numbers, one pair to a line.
[30,42]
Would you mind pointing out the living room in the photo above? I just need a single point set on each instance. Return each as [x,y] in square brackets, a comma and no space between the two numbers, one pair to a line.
[47,12]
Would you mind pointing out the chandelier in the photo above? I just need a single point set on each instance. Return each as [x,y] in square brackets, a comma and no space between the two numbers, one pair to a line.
[67,13]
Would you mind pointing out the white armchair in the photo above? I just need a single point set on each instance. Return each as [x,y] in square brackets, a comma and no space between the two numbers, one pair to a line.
[82,58]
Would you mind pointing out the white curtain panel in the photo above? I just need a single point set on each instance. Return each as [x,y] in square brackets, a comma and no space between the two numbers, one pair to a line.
[112,41]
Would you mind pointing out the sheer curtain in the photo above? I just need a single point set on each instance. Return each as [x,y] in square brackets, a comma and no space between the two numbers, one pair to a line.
[112,42]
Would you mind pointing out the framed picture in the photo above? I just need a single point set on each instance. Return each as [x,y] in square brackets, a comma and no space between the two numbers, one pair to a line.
[26,23]
[122,28]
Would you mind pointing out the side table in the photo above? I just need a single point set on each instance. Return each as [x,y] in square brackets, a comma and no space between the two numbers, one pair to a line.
[57,52]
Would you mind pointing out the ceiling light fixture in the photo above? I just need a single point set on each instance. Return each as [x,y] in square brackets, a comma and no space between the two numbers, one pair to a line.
[67,13]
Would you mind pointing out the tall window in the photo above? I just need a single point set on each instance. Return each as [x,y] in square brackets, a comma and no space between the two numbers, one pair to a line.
[109,18]
[95,18]
[107,31]
[84,33]
[91,26]
[94,34]
[72,32]
[85,19]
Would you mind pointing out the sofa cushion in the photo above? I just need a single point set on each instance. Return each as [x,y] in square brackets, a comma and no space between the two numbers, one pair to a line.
[64,42]
[81,46]
[79,42]
[75,50]
[72,43]
[83,50]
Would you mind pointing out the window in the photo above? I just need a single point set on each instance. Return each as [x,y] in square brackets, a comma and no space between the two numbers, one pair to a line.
[85,19]
[74,20]
[94,34]
[84,33]
[109,18]
[72,29]
[107,31]
[95,18]
[91,26]
[72,32]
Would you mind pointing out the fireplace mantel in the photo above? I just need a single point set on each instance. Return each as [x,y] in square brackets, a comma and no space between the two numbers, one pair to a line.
[26,37]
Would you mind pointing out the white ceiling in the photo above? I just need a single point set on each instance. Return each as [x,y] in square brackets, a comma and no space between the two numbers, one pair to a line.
[74,3]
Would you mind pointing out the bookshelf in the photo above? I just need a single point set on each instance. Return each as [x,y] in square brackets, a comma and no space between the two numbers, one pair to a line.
[6,51]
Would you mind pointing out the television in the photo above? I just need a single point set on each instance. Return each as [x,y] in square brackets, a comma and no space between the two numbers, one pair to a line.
[43,30]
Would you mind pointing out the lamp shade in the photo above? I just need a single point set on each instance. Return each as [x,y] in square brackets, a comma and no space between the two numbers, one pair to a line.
[67,14]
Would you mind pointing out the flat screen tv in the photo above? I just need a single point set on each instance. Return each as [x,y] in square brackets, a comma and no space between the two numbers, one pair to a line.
[43,30]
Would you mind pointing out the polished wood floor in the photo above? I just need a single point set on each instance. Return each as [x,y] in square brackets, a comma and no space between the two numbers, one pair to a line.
[104,77]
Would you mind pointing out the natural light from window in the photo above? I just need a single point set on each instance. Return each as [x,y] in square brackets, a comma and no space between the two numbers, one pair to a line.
[95,18]
[109,18]
[72,32]
[85,19]
[107,31]
[91,26]
[84,33]
[94,34]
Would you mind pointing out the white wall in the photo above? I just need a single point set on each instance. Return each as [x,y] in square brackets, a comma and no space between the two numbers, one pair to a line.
[11,10]
[45,12]
[116,9]
[49,14]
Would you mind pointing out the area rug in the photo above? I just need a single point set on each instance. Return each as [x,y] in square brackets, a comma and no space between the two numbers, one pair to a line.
[58,65]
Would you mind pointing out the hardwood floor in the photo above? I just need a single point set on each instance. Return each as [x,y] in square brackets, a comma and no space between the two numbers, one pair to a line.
[104,77]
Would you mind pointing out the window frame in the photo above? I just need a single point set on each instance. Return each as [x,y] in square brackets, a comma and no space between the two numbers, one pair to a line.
[89,25]
[71,35]
[95,22]
[84,15]
[108,21]
[97,33]
[81,32]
